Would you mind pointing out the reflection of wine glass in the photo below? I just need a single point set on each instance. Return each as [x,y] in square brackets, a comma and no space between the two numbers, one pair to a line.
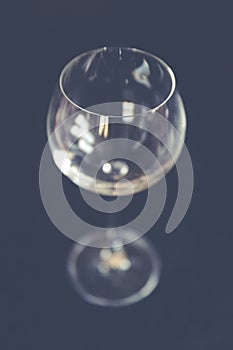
[112,104]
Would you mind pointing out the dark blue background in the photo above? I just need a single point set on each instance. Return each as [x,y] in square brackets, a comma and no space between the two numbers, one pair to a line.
[192,308]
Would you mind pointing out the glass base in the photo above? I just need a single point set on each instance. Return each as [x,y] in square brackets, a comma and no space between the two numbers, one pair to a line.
[117,276]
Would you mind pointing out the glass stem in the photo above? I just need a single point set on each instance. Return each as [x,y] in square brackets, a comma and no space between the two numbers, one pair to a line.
[115,257]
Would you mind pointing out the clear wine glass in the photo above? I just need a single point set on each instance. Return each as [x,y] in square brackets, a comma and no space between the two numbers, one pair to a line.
[111,125]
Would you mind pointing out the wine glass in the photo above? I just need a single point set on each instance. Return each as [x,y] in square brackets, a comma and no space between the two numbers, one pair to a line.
[116,124]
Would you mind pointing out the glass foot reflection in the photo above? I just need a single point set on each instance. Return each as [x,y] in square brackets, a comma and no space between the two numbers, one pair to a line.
[116,276]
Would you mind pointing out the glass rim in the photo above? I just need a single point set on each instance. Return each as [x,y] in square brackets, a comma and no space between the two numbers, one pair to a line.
[103,49]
